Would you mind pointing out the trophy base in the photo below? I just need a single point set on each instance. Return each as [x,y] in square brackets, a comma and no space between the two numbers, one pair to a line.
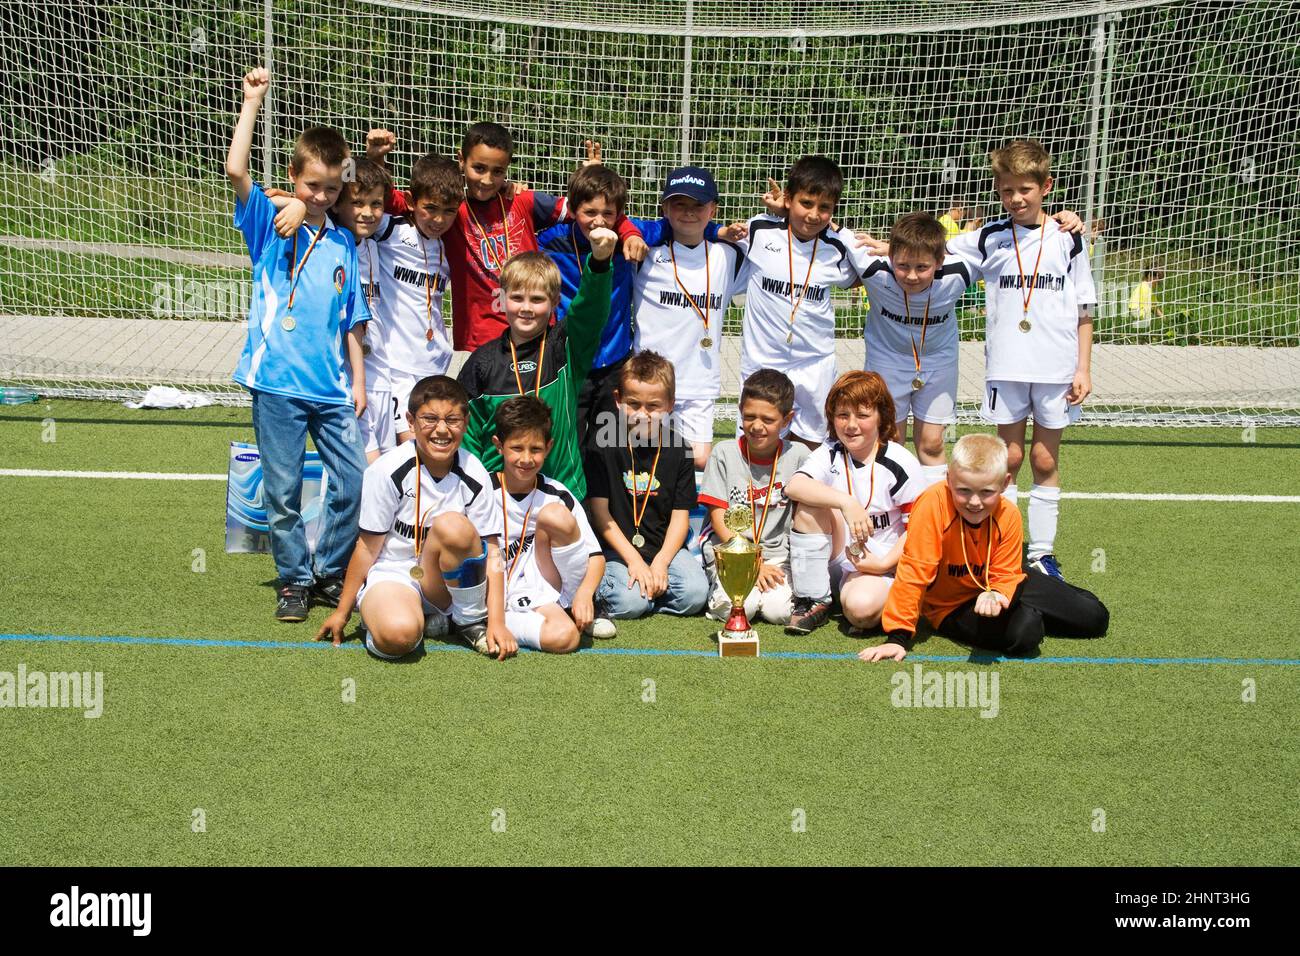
[738,644]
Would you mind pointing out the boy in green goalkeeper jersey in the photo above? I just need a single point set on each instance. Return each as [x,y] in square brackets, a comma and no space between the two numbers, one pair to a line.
[532,357]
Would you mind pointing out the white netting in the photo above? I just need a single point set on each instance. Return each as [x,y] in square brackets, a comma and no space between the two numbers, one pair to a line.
[1174,125]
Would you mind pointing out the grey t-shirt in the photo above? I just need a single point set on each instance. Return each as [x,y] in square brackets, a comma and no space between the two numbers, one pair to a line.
[730,480]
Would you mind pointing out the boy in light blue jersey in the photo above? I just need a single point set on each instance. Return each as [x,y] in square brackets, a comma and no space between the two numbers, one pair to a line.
[304,333]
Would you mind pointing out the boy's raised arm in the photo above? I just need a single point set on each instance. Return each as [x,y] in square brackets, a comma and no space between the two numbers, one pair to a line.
[256,82]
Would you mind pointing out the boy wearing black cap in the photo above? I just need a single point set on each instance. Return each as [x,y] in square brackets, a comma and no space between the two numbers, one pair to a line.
[681,293]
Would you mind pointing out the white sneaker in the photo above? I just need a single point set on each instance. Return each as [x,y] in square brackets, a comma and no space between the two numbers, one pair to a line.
[435,625]
[601,627]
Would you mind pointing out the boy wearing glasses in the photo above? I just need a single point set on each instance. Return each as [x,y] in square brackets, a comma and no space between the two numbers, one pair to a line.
[429,549]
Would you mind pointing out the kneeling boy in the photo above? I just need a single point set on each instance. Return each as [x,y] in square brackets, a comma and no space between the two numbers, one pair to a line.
[428,547]
[961,568]
[753,471]
[552,559]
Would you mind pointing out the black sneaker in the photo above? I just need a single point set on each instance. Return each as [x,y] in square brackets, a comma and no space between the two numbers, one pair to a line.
[475,635]
[327,591]
[808,615]
[292,604]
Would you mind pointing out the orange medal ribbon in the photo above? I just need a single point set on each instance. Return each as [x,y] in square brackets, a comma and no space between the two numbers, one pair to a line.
[505,517]
[637,516]
[812,258]
[759,525]
[1033,281]
[505,229]
[295,273]
[988,556]
[537,379]
[925,321]
[848,479]
[708,287]
[428,285]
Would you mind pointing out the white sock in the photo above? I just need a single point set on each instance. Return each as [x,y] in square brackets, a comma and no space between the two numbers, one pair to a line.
[468,605]
[571,561]
[1011,494]
[1044,505]
[526,628]
[810,558]
[934,474]
[370,646]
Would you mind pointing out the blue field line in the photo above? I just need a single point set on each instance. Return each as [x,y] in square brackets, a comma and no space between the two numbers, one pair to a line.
[973,658]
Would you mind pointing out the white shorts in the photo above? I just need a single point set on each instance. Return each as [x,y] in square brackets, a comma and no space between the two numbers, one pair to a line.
[934,402]
[398,574]
[812,383]
[1006,403]
[695,418]
[529,589]
[377,422]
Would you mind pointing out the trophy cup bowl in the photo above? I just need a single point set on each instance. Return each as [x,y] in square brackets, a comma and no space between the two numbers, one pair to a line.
[737,564]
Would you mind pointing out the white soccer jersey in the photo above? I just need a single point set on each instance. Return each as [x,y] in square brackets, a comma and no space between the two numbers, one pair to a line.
[415,273]
[888,498]
[667,300]
[776,284]
[525,583]
[895,323]
[1049,351]
[388,500]
[374,344]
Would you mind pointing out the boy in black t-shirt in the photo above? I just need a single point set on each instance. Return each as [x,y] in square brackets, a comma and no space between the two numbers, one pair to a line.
[640,490]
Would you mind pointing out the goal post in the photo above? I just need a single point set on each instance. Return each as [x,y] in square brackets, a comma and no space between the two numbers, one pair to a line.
[1174,127]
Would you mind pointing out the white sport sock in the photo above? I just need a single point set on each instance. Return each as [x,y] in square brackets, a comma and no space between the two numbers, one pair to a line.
[526,627]
[1044,505]
[571,561]
[468,605]
[810,558]
[934,474]
[1011,494]
[370,646]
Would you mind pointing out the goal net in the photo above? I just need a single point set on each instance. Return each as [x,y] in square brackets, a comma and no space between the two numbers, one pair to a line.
[1173,124]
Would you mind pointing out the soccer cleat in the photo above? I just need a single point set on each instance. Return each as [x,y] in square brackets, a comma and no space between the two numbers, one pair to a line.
[601,627]
[808,615]
[475,635]
[1047,564]
[291,604]
[435,625]
[327,591]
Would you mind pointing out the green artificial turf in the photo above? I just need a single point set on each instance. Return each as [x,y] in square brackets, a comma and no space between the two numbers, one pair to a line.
[639,757]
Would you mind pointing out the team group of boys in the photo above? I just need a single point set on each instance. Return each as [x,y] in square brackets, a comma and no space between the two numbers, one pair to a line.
[546,491]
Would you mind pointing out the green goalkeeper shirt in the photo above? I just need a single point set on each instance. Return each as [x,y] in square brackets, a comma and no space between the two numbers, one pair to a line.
[490,376]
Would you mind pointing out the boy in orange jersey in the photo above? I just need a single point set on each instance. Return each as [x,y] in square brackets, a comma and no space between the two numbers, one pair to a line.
[961,568]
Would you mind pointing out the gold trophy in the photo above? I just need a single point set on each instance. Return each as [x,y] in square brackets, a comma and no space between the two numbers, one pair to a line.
[737,563]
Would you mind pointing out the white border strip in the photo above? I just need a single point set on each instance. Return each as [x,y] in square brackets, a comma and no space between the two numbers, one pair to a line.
[1081,495]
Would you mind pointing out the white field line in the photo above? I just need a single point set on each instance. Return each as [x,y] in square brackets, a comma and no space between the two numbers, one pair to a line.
[1081,495]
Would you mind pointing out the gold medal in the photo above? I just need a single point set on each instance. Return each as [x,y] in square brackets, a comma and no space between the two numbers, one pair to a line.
[287,323]
[917,383]
[417,572]
[706,343]
[365,348]
[739,517]
[790,337]
[428,336]
[638,540]
[1025,325]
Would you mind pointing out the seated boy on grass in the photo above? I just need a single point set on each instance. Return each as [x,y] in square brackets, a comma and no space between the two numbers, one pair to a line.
[641,476]
[428,549]
[961,568]
[533,357]
[552,559]
[753,470]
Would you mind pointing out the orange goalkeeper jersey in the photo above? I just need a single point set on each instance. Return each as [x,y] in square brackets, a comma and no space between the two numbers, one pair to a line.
[932,578]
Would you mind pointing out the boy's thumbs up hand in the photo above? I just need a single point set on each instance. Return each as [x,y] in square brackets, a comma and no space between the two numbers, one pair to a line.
[603,242]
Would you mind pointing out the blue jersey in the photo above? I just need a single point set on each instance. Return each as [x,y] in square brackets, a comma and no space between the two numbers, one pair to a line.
[568,248]
[309,360]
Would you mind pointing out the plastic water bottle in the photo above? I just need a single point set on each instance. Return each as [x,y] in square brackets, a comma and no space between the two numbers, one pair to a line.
[17,396]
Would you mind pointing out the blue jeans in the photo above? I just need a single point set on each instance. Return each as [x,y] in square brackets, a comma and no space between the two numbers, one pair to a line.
[688,590]
[281,425]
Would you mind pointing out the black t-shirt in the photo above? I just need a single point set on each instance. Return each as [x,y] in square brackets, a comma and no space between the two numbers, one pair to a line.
[609,475]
